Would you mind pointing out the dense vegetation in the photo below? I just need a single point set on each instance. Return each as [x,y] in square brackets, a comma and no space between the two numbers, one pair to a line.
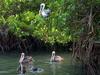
[20,19]
[23,19]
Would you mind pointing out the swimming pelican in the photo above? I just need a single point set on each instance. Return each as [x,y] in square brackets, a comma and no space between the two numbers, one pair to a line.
[55,58]
[44,12]
[25,62]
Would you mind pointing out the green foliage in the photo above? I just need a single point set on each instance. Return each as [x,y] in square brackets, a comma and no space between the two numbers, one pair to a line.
[23,19]
[24,22]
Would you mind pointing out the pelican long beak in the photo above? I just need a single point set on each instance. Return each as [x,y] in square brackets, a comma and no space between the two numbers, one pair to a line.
[40,10]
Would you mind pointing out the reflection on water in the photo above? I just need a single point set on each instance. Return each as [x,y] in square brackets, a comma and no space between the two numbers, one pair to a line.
[9,64]
[54,66]
[4,71]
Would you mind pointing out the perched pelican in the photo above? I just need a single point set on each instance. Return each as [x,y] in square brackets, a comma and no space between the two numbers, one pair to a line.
[55,58]
[44,12]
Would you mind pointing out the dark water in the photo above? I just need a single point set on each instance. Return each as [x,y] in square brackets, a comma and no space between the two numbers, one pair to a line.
[9,64]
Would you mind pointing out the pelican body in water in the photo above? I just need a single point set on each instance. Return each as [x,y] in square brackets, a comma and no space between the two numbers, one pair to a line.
[44,12]
[55,58]
[25,62]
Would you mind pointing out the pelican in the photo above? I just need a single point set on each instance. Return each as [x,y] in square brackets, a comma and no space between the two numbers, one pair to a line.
[55,58]
[44,12]
[25,62]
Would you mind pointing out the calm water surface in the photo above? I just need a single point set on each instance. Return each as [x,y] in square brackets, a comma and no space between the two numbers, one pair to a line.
[9,64]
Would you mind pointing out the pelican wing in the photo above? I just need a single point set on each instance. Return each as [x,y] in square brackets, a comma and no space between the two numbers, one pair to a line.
[47,11]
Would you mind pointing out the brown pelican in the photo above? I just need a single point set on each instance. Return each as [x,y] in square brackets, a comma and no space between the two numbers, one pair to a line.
[25,62]
[55,58]
[44,12]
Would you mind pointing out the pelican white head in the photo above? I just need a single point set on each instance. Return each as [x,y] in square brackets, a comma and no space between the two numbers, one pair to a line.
[53,53]
[42,5]
[22,54]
